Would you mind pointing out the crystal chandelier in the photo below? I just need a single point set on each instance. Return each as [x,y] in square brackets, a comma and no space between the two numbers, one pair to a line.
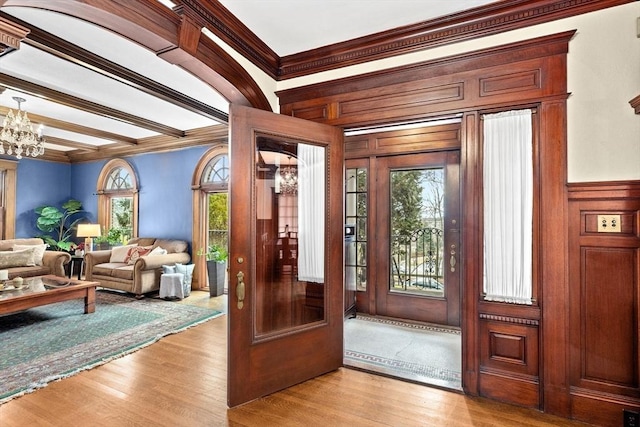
[17,136]
[289,180]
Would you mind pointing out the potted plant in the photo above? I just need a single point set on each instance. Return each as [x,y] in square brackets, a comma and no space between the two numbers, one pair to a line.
[216,256]
[59,224]
[113,237]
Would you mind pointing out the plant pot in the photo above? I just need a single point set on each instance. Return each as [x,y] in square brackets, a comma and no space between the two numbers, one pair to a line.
[216,271]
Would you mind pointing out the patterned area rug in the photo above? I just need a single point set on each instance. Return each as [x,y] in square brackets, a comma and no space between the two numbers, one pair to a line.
[52,342]
[418,352]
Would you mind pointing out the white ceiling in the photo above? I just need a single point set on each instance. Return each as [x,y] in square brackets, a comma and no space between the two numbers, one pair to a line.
[293,26]
[286,26]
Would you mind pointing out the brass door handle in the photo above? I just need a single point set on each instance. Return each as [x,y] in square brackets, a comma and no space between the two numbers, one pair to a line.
[240,290]
[452,260]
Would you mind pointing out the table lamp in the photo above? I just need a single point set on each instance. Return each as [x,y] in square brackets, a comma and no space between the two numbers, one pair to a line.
[88,231]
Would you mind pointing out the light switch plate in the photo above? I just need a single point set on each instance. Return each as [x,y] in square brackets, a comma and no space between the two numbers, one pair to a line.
[608,223]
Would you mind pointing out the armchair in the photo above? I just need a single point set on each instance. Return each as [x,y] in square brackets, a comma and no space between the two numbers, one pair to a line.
[136,275]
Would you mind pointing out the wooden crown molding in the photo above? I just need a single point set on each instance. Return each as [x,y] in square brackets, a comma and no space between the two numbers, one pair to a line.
[223,24]
[11,34]
[494,18]
[635,104]
[195,137]
[553,44]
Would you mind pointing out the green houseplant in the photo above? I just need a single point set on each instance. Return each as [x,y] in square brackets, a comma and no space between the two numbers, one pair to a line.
[59,224]
[216,257]
[112,237]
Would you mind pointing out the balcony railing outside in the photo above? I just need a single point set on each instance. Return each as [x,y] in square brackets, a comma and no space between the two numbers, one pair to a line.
[416,262]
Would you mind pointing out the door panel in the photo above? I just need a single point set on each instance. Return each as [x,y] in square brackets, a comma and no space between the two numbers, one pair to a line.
[286,252]
[418,224]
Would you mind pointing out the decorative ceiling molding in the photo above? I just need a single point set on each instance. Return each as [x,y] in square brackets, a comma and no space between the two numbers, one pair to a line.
[218,134]
[474,23]
[635,104]
[482,21]
[76,128]
[88,106]
[11,34]
[217,18]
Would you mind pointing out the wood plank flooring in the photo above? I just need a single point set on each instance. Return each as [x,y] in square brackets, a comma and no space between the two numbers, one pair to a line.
[181,381]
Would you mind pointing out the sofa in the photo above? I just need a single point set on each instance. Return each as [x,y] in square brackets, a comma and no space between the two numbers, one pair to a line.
[29,257]
[135,267]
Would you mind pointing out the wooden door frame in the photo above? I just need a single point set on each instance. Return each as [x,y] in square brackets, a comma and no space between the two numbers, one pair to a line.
[511,76]
[449,161]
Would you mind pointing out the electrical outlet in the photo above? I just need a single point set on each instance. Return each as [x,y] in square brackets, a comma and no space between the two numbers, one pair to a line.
[631,418]
[609,224]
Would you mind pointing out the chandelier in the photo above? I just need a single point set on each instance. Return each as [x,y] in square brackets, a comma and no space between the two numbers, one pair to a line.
[17,136]
[288,180]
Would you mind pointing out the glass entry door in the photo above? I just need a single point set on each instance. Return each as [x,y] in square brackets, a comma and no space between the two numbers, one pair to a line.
[418,218]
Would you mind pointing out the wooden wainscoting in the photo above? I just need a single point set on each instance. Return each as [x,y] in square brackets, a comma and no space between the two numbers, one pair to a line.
[604,301]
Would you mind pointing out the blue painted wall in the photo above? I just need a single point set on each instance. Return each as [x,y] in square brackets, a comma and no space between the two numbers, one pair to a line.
[164,179]
[39,183]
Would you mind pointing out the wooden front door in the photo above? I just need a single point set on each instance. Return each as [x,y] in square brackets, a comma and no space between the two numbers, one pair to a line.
[286,250]
[418,225]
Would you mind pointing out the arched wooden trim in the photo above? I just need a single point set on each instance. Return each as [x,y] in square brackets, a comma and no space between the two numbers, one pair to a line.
[199,231]
[103,193]
[163,31]
[9,167]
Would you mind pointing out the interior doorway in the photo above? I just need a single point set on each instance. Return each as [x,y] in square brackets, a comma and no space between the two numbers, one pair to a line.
[405,209]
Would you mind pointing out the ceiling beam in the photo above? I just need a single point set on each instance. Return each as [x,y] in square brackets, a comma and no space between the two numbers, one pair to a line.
[67,51]
[62,98]
[71,144]
[74,127]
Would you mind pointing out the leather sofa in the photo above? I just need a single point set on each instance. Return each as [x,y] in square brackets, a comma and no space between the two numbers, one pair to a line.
[52,262]
[139,275]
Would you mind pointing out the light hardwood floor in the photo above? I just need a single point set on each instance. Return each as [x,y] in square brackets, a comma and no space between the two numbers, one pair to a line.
[181,381]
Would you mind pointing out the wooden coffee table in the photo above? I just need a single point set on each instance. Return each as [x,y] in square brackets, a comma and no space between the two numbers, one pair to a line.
[43,290]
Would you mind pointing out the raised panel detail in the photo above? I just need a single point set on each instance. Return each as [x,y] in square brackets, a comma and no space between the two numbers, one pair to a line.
[402,97]
[507,348]
[356,144]
[311,113]
[514,82]
[608,315]
[423,139]
[427,138]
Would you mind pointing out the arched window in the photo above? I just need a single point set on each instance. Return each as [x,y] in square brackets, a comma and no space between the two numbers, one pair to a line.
[210,201]
[216,174]
[118,199]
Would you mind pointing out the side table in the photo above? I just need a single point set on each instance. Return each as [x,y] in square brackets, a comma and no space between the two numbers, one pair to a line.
[79,260]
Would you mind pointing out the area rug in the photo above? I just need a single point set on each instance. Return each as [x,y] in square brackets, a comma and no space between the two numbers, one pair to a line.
[422,353]
[52,342]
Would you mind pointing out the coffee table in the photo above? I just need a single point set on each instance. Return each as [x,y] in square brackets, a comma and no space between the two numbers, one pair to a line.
[43,290]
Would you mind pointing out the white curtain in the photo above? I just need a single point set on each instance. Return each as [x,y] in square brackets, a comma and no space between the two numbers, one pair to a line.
[311,213]
[508,206]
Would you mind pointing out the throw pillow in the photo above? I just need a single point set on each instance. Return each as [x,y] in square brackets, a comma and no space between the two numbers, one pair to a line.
[119,253]
[22,258]
[38,251]
[135,253]
[168,269]
[187,271]
[158,251]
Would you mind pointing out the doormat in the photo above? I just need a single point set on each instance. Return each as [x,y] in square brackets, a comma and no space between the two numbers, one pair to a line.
[422,353]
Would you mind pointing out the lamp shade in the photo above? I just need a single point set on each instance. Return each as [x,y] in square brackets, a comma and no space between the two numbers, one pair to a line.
[88,230]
